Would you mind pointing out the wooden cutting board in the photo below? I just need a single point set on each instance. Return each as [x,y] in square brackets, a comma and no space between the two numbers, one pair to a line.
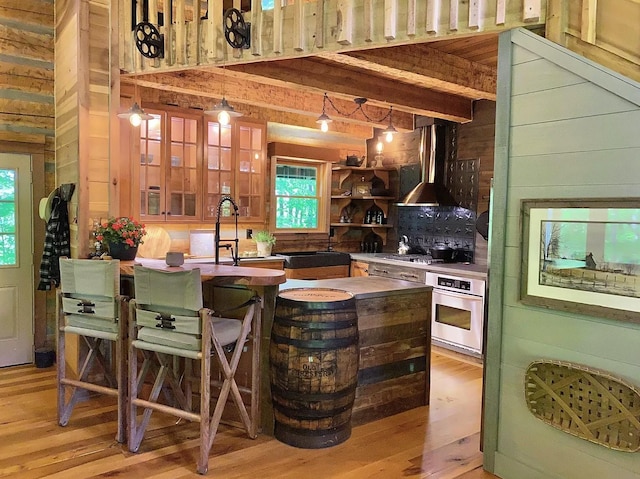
[156,243]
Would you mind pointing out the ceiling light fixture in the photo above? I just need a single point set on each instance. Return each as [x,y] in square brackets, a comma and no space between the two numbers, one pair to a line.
[223,110]
[324,119]
[136,115]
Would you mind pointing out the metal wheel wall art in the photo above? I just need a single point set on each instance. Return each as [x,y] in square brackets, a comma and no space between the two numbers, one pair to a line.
[236,30]
[149,41]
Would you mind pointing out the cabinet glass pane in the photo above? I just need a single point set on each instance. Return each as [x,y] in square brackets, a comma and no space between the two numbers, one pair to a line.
[213,183]
[176,204]
[153,177]
[143,202]
[225,136]
[176,154]
[190,205]
[177,127]
[213,134]
[176,179]
[190,131]
[154,204]
[256,139]
[213,158]
[154,128]
[225,159]
[153,152]
[245,161]
[245,138]
[244,185]
[190,156]
[191,181]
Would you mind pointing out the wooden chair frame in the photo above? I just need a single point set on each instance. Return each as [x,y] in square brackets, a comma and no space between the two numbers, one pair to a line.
[116,382]
[165,370]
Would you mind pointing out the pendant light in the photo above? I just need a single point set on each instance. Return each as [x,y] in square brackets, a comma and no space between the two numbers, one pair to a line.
[136,115]
[223,110]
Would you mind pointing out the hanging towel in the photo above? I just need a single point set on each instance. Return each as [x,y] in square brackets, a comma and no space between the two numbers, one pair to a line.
[57,238]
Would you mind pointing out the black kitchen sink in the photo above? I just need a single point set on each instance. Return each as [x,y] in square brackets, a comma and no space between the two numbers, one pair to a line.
[314,259]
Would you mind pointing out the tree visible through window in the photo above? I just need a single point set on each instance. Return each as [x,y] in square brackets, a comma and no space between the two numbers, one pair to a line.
[7,217]
[297,196]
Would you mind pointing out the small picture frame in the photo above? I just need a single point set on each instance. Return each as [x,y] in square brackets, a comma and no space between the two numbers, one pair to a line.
[361,189]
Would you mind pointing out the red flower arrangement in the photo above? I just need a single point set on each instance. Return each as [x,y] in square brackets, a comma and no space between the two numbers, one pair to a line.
[123,230]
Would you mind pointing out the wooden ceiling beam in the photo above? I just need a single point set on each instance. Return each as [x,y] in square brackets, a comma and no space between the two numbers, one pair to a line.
[425,67]
[240,88]
[151,93]
[324,75]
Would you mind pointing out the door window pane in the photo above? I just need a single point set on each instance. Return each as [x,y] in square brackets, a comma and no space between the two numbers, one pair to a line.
[8,253]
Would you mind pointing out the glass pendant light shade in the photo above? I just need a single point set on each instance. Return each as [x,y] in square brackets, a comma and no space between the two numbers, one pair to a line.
[324,121]
[224,112]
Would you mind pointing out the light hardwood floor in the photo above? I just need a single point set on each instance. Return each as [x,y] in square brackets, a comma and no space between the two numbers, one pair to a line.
[438,441]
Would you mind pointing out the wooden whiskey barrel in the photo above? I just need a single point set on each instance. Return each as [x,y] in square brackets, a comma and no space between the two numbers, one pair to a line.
[314,366]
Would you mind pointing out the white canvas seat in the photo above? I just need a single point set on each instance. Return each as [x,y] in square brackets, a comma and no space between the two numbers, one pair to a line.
[168,322]
[89,306]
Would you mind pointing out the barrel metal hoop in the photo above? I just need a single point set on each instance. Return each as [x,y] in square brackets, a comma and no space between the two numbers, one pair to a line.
[310,414]
[313,432]
[311,397]
[331,343]
[317,325]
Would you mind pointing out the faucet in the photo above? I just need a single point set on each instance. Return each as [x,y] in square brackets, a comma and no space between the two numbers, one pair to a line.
[217,237]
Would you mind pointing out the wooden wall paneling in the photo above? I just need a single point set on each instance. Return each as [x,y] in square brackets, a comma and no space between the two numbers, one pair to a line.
[591,153]
[588,24]
[390,19]
[257,21]
[454,15]
[168,29]
[181,33]
[345,22]
[368,20]
[532,10]
[433,9]
[299,26]
[278,41]
[501,11]
[411,17]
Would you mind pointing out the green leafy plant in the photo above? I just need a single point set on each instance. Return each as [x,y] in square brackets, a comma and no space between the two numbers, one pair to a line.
[123,230]
[263,236]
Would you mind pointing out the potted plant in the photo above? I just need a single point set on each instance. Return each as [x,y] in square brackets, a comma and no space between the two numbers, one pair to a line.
[122,236]
[264,242]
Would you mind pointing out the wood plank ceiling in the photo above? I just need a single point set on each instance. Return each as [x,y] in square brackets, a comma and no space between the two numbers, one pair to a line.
[439,79]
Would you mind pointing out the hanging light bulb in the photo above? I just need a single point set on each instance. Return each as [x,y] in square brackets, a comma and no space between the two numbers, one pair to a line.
[224,112]
[324,119]
[135,115]
[390,130]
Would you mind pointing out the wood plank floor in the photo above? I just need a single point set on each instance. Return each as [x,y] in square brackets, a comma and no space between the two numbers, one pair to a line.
[438,441]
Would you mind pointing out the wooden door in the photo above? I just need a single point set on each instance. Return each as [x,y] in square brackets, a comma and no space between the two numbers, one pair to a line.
[16,260]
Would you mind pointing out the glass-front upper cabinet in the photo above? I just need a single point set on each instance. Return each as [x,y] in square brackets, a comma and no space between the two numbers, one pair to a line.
[188,162]
[151,172]
[235,166]
[182,183]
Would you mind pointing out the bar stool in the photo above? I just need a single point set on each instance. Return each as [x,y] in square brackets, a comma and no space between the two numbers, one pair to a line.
[168,322]
[89,306]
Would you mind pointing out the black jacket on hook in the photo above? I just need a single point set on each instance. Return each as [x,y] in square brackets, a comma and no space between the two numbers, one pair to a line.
[57,238]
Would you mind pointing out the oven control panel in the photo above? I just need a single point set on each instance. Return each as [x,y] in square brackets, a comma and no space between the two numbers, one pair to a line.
[460,284]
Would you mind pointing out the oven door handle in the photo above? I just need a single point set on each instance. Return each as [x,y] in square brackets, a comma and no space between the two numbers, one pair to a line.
[466,297]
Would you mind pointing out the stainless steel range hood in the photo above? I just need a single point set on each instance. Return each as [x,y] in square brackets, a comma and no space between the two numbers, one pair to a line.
[427,192]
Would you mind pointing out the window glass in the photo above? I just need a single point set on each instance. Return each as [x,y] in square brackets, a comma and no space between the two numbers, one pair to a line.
[297,198]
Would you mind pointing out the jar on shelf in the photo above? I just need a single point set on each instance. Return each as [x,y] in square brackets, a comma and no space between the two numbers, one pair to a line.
[374,215]
[371,243]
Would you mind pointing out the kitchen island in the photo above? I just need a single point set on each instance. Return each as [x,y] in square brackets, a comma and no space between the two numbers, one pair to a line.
[395,343]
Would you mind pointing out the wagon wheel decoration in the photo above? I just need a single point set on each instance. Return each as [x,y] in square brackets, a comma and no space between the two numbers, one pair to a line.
[236,30]
[149,41]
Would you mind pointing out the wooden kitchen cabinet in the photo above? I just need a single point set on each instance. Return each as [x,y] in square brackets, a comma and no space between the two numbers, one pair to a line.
[359,268]
[352,196]
[189,162]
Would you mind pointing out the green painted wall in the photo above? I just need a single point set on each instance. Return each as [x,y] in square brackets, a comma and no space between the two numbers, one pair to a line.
[565,128]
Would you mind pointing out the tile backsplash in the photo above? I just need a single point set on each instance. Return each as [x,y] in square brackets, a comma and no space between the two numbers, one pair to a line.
[426,226]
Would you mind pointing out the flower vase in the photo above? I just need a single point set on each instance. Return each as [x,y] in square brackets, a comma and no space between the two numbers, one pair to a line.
[121,252]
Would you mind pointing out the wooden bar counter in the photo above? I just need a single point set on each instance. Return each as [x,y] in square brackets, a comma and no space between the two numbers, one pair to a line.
[225,286]
[394,325]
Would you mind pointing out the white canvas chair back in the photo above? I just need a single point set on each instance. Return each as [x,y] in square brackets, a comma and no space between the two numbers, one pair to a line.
[168,308]
[90,307]
[89,290]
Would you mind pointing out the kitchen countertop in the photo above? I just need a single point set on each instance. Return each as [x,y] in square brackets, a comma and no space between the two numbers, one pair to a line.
[228,260]
[460,269]
[361,287]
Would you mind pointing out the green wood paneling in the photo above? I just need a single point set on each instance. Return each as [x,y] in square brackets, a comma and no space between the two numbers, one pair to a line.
[568,129]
